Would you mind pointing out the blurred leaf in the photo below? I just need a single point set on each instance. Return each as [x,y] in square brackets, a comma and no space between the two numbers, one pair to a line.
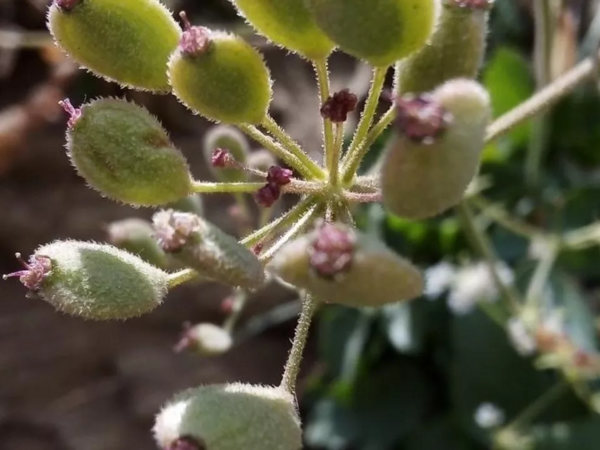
[581,435]
[386,405]
[440,433]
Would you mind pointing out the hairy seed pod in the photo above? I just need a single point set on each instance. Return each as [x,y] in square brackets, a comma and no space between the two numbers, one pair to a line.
[192,204]
[232,141]
[137,237]
[125,41]
[123,152]
[378,31]
[435,152]
[202,246]
[337,264]
[230,417]
[456,48]
[220,76]
[287,23]
[93,281]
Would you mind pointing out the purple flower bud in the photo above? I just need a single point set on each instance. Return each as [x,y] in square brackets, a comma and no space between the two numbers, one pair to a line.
[332,251]
[421,118]
[186,443]
[279,176]
[67,5]
[194,41]
[34,273]
[74,113]
[221,158]
[268,194]
[173,229]
[339,105]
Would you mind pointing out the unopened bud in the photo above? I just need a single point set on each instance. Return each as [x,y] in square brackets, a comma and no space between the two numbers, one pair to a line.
[223,147]
[230,417]
[206,339]
[435,152]
[129,44]
[337,107]
[337,264]
[93,281]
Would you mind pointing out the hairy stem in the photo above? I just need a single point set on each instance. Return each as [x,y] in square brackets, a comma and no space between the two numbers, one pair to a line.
[293,147]
[542,100]
[334,167]
[322,72]
[277,149]
[539,406]
[357,148]
[292,366]
[181,277]
[505,219]
[484,247]
[204,187]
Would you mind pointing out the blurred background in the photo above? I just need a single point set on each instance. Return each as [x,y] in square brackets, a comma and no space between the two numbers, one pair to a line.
[437,373]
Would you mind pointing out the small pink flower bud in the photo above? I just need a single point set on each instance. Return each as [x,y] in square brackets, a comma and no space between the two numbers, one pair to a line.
[67,5]
[332,250]
[221,158]
[186,443]
[279,176]
[194,41]
[421,118]
[339,105]
[268,195]
[173,229]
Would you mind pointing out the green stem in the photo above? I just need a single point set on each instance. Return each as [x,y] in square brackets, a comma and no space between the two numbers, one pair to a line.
[334,167]
[240,300]
[277,149]
[322,72]
[282,222]
[357,148]
[379,128]
[540,277]
[539,406]
[291,146]
[484,248]
[504,219]
[292,366]
[203,187]
[181,277]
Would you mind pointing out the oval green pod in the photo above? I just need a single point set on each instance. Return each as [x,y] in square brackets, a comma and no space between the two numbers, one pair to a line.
[202,246]
[287,23]
[125,41]
[337,264]
[235,143]
[229,417]
[221,77]
[93,281]
[137,237]
[192,203]
[455,50]
[123,152]
[435,152]
[379,31]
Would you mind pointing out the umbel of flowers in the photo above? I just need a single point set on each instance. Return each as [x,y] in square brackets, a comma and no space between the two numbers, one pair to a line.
[439,117]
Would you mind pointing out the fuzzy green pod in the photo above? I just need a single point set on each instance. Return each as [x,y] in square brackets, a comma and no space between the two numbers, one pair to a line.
[230,417]
[137,237]
[93,281]
[337,264]
[235,143]
[125,41]
[378,31]
[287,23]
[220,76]
[123,152]
[435,152]
[202,246]
[456,48]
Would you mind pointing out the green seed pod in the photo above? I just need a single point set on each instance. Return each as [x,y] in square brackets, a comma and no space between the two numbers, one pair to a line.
[192,204]
[337,264]
[93,281]
[220,76]
[230,417]
[288,23]
[125,41]
[378,31]
[137,237]
[456,48]
[200,245]
[123,152]
[235,143]
[435,152]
